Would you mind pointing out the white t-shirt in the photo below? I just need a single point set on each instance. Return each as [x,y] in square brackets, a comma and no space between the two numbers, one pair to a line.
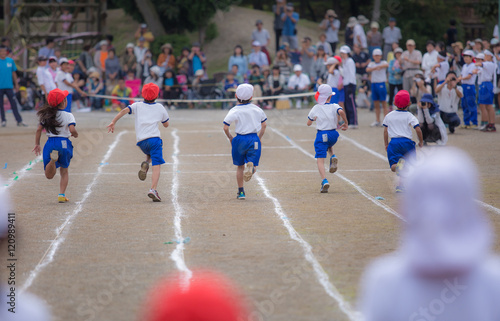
[467,70]
[261,36]
[300,82]
[429,60]
[448,99]
[359,31]
[147,117]
[247,118]
[45,78]
[326,116]
[487,72]
[380,75]
[60,76]
[333,79]
[66,119]
[399,123]
[349,72]
[442,70]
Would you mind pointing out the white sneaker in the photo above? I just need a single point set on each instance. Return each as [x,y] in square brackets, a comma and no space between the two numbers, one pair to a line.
[298,105]
[249,170]
[482,127]
[375,124]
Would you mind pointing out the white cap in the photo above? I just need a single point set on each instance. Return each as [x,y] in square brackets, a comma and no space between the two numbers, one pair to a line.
[345,50]
[63,60]
[331,61]
[324,91]
[468,53]
[244,92]
[488,53]
[297,68]
[352,22]
[256,44]
[480,56]
[156,70]
[374,25]
[398,49]
[377,52]
[130,45]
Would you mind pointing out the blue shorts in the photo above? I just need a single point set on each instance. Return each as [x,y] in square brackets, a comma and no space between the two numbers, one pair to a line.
[324,140]
[65,148]
[398,148]
[69,99]
[379,91]
[246,148]
[338,97]
[153,147]
[486,94]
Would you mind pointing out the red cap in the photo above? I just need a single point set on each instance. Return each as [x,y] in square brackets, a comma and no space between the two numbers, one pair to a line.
[402,99]
[150,91]
[56,97]
[208,296]
[338,58]
[71,62]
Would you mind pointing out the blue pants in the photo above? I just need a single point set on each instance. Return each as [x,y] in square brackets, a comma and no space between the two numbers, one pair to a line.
[451,119]
[486,94]
[399,147]
[13,104]
[350,104]
[65,148]
[153,147]
[246,148]
[324,140]
[469,104]
[69,99]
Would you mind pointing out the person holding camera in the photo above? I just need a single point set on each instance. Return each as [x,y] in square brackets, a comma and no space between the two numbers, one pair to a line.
[431,124]
[289,33]
[449,95]
[331,25]
[419,88]
[298,83]
[197,59]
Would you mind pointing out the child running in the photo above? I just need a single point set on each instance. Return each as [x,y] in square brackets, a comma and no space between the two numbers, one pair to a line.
[397,127]
[250,123]
[147,116]
[58,149]
[378,68]
[325,115]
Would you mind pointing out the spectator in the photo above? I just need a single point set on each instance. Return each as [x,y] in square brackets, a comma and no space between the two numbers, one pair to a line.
[257,80]
[65,81]
[390,55]
[486,45]
[429,59]
[289,33]
[468,79]
[237,74]
[109,39]
[166,59]
[276,83]
[278,10]
[349,32]
[230,85]
[257,57]
[283,62]
[134,83]
[418,89]
[58,53]
[113,70]
[449,95]
[326,45]
[458,59]
[85,61]
[79,81]
[307,57]
[121,92]
[298,83]
[171,89]
[8,83]
[146,63]
[332,78]
[349,83]
[411,59]
[359,32]
[48,49]
[66,17]
[144,33]
[155,77]
[100,56]
[361,60]
[95,86]
[240,60]
[391,34]
[53,67]
[331,25]
[139,52]
[197,59]
[129,60]
[318,69]
[6,43]
[183,65]
[44,78]
[374,38]
[451,34]
[431,124]
[378,75]
[477,46]
[262,35]
[395,75]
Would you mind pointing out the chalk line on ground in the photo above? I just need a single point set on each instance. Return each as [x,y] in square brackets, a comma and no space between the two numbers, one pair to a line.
[22,172]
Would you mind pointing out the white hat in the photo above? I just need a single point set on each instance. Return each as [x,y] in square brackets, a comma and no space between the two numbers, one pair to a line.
[488,53]
[398,49]
[244,92]
[377,52]
[103,43]
[130,45]
[374,25]
[297,68]
[156,70]
[480,56]
[256,43]
[362,19]
[468,53]
[410,42]
[63,60]
[352,22]
[494,41]
[331,61]
[324,92]
[345,49]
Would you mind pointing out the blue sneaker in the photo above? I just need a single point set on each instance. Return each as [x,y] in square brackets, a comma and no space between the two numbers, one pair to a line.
[399,189]
[325,186]
[241,196]
[333,163]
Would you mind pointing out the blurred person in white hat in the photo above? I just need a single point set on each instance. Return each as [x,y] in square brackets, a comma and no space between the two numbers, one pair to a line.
[332,79]
[374,38]
[330,26]
[325,114]
[359,32]
[430,58]
[298,83]
[289,33]
[262,36]
[250,126]
[395,75]
[307,53]
[145,33]
[257,57]
[443,268]
[349,82]
[378,70]
[349,31]
[391,34]
[468,79]
[487,73]
[411,59]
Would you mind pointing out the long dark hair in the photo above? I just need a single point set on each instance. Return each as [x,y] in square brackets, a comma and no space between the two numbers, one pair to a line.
[238,46]
[48,118]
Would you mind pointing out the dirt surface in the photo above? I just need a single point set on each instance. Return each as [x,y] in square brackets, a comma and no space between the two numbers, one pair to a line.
[95,257]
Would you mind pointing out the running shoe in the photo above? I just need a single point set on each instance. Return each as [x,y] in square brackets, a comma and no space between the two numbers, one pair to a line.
[144,171]
[153,194]
[490,129]
[4,123]
[62,198]
[325,186]
[399,189]
[333,163]
[21,124]
[375,124]
[465,126]
[473,127]
[483,127]
[241,196]
[249,171]
[399,166]
[54,155]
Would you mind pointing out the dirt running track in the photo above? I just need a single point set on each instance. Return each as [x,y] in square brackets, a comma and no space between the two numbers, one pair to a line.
[296,253]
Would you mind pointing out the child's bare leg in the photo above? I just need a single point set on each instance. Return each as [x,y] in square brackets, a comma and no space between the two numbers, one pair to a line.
[330,151]
[321,167]
[484,113]
[50,169]
[376,103]
[64,180]
[384,106]
[148,159]
[491,114]
[239,175]
[155,177]
[393,167]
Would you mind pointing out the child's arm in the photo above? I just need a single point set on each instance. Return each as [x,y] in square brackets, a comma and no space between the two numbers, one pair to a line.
[165,124]
[386,137]
[344,118]
[420,136]
[72,84]
[38,134]
[262,130]
[111,126]
[228,134]
[72,130]
[309,121]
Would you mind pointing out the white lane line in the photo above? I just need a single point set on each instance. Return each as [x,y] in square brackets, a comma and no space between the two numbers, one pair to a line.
[178,253]
[63,230]
[490,207]
[321,275]
[358,188]
[22,172]
[204,155]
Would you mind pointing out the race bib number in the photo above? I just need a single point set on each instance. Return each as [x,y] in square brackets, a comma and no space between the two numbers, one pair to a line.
[325,138]
[256,145]
[64,144]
